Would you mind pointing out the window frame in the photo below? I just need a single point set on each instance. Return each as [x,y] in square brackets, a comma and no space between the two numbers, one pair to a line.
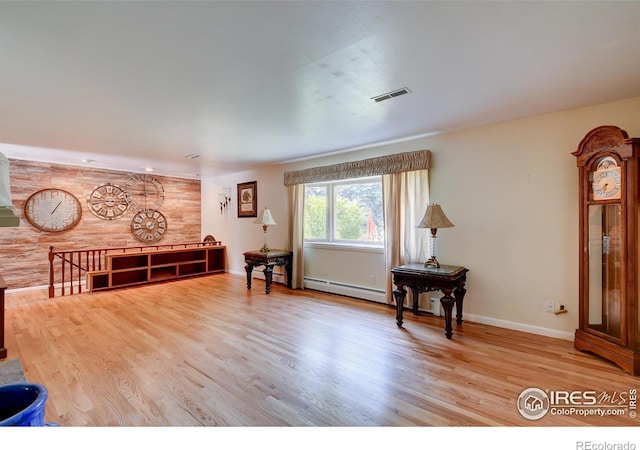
[331,241]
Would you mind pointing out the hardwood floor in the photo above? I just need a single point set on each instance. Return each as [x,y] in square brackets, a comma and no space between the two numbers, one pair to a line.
[207,352]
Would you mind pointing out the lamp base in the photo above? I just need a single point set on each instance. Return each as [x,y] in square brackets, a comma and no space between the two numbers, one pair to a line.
[265,248]
[432,262]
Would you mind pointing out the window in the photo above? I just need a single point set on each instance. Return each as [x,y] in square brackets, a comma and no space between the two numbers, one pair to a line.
[345,212]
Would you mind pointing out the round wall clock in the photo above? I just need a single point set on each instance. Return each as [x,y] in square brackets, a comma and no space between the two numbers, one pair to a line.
[144,192]
[148,226]
[53,210]
[108,201]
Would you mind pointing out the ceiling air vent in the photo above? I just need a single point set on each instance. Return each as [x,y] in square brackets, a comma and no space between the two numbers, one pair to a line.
[391,94]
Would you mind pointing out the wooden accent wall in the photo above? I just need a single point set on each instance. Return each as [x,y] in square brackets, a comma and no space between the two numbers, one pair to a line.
[24,249]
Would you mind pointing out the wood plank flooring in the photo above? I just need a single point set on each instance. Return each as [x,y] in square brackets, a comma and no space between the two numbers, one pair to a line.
[208,352]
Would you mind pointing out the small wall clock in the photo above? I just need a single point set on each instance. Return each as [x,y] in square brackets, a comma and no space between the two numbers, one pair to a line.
[53,210]
[108,201]
[144,192]
[148,226]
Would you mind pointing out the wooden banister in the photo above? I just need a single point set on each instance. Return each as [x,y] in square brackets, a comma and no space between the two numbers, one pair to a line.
[68,268]
[3,287]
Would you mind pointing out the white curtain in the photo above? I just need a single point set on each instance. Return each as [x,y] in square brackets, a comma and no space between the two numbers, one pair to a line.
[295,232]
[405,197]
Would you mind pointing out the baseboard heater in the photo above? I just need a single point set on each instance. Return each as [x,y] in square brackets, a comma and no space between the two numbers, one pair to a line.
[364,293]
[349,290]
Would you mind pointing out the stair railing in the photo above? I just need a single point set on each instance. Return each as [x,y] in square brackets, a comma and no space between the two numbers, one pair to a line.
[68,268]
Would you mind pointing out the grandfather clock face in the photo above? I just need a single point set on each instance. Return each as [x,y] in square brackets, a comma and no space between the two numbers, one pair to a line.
[607,180]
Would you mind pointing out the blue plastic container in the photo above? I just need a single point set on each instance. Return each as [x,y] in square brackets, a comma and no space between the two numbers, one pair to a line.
[22,405]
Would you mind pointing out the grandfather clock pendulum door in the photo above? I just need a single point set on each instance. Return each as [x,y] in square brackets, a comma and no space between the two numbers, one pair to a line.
[608,292]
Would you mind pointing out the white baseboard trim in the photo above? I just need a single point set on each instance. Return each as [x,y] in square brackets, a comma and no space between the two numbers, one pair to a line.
[379,296]
[517,326]
[333,287]
[45,287]
[29,288]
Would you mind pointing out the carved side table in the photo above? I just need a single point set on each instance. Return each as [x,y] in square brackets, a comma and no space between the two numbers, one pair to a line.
[269,260]
[448,279]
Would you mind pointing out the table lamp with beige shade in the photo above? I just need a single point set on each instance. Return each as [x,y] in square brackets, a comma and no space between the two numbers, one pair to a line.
[434,218]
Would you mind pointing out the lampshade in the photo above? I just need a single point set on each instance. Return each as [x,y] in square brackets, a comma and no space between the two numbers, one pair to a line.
[265,218]
[434,218]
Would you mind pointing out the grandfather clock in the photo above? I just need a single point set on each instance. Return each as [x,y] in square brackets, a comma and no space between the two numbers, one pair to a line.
[609,226]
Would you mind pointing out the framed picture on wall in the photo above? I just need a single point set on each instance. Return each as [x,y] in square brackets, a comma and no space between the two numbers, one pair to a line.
[248,199]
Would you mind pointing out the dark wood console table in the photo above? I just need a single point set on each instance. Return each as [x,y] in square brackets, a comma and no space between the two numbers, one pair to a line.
[448,279]
[269,260]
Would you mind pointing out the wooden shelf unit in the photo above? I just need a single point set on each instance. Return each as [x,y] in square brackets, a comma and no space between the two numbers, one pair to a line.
[129,269]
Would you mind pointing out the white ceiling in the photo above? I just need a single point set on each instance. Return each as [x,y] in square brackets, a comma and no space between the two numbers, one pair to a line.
[245,84]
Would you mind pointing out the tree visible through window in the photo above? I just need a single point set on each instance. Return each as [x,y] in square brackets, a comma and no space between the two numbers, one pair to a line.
[344,211]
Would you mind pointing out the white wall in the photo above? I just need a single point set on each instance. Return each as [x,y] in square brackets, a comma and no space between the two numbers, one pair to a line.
[510,189]
[241,234]
[356,272]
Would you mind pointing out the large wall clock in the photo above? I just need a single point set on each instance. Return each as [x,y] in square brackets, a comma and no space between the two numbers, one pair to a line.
[108,201]
[53,210]
[148,226]
[144,192]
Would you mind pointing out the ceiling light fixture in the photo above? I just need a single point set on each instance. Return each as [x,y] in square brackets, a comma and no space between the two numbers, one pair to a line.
[392,94]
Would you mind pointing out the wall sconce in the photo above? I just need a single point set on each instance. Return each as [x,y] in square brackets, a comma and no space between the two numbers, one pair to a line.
[434,218]
[7,216]
[225,200]
[265,219]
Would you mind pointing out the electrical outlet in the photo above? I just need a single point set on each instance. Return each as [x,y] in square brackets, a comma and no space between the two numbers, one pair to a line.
[550,306]
[372,279]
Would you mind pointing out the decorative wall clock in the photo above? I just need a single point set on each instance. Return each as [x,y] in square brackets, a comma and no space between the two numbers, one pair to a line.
[108,201]
[53,210]
[148,226]
[144,192]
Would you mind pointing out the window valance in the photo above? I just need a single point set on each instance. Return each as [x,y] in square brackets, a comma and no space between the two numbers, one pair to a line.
[381,165]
